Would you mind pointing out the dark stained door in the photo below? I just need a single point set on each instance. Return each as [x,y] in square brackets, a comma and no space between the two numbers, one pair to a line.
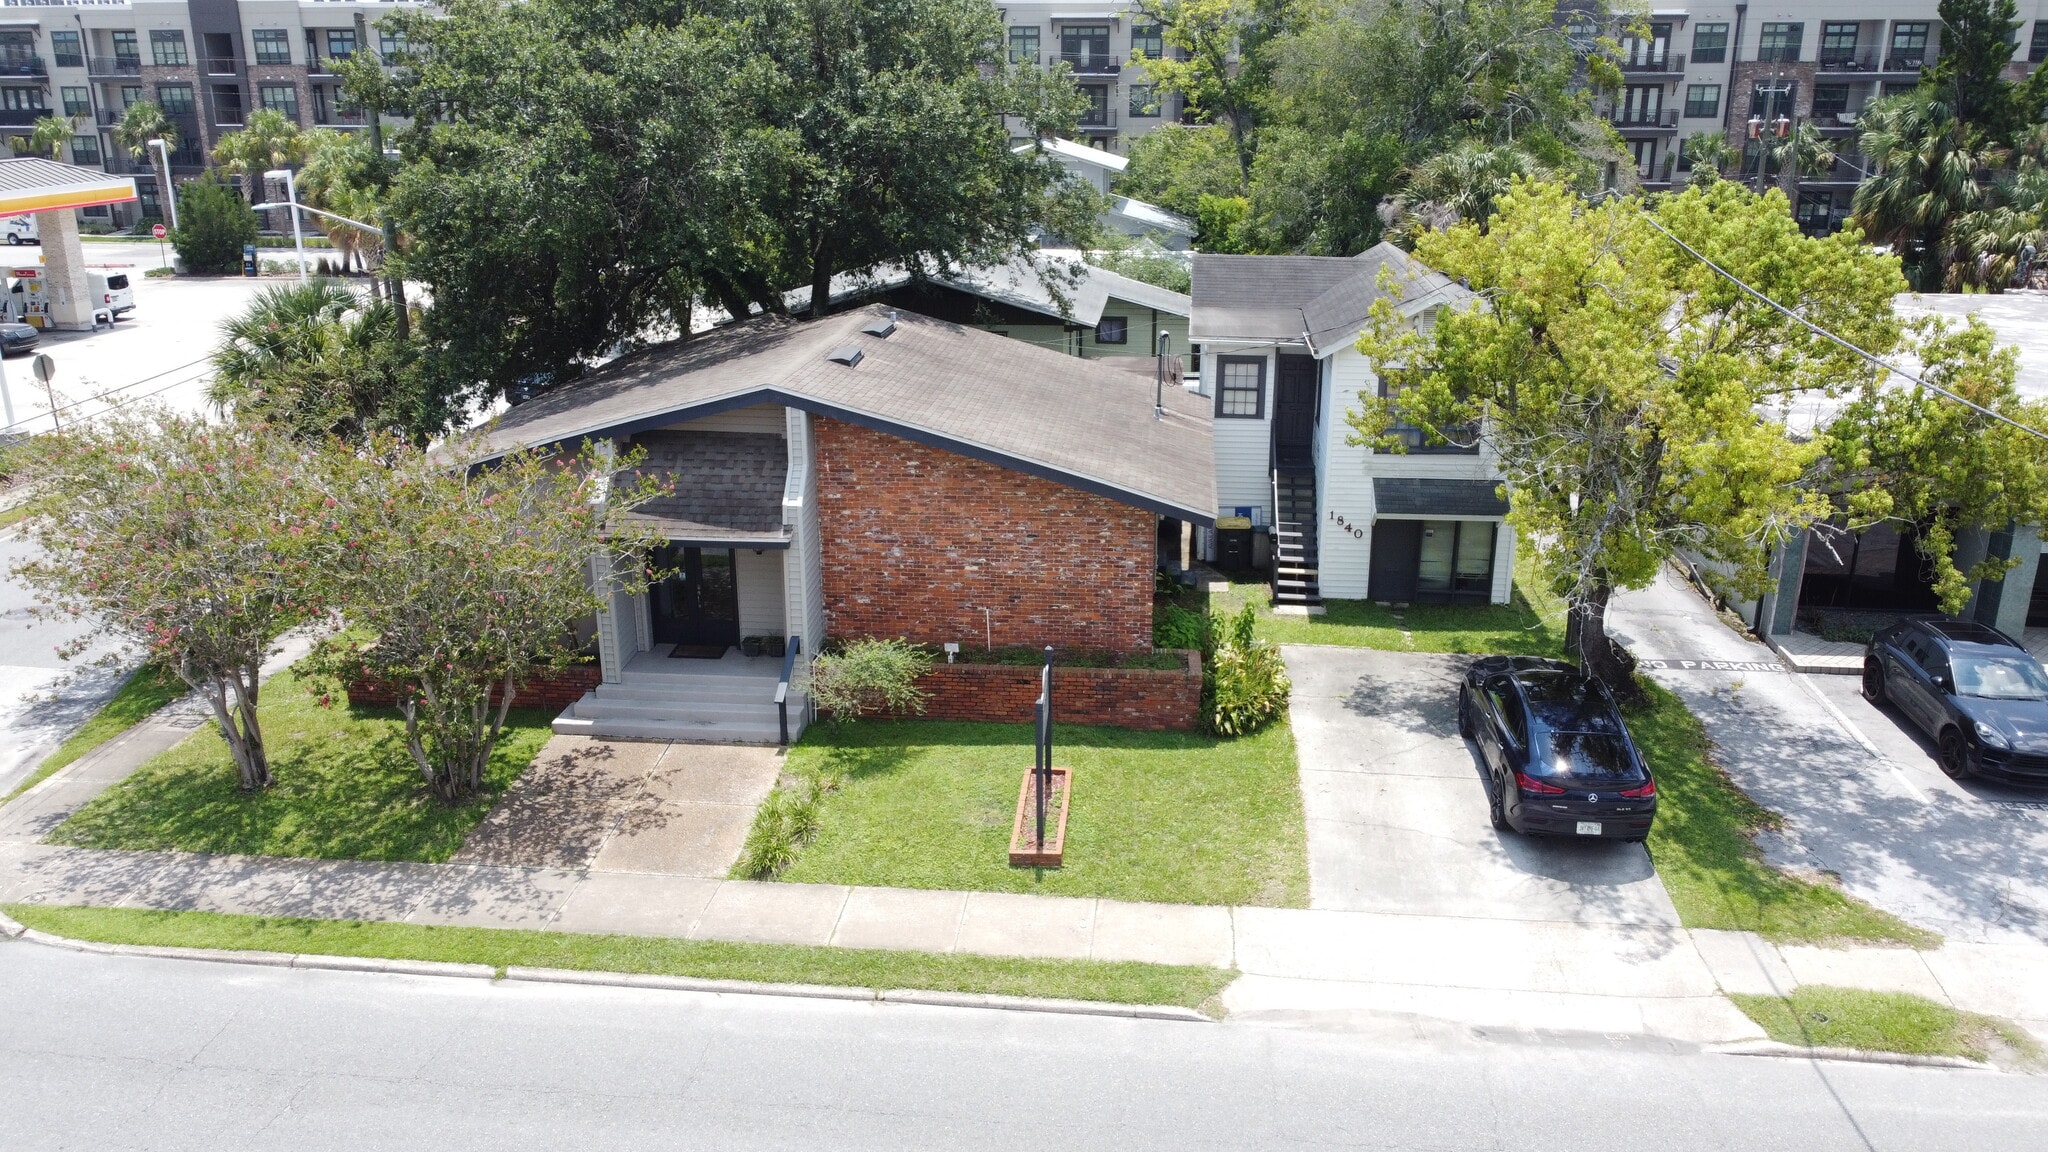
[1396,558]
[1294,412]
[698,604]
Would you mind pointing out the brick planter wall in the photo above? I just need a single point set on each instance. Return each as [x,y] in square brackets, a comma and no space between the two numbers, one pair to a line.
[556,690]
[1149,699]
[918,540]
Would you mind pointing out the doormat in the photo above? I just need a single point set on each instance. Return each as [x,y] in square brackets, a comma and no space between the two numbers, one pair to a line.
[699,652]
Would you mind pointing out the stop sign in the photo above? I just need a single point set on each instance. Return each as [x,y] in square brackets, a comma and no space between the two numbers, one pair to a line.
[157,230]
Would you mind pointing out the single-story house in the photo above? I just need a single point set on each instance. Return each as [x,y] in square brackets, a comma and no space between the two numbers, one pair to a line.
[1097,314]
[1276,343]
[875,473]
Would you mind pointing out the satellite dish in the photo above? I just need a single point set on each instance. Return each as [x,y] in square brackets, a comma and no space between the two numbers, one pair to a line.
[43,368]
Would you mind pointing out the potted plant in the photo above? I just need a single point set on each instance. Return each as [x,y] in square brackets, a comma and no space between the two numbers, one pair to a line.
[751,645]
[777,646]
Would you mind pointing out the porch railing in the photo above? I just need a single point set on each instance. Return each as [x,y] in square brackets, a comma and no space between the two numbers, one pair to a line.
[796,645]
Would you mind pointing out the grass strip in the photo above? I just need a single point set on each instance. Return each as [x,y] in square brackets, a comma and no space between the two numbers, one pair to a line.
[1164,817]
[1110,981]
[150,688]
[1818,1016]
[1703,847]
[346,789]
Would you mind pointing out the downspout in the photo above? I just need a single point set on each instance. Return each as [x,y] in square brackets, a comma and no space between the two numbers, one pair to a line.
[1734,55]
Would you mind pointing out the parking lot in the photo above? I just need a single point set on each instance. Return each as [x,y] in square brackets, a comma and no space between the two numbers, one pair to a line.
[1861,793]
[157,352]
[1396,806]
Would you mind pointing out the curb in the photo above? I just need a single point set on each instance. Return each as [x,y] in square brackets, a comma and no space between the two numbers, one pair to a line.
[9,929]
[1851,1055]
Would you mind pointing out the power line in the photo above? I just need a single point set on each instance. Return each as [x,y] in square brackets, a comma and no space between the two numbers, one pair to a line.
[1817,330]
[66,407]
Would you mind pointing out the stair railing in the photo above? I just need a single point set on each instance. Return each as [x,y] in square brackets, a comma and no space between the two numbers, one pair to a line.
[1273,553]
[796,645]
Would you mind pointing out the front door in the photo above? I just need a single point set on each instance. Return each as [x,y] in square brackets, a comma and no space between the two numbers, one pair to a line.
[1294,412]
[698,603]
[1396,558]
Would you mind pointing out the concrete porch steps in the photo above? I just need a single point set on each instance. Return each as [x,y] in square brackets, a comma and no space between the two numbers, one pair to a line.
[703,707]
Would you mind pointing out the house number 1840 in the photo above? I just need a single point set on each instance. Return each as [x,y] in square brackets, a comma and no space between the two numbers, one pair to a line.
[1347,526]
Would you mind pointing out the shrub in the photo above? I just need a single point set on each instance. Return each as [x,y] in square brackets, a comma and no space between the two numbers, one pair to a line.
[1176,627]
[1244,683]
[787,821]
[868,676]
[213,224]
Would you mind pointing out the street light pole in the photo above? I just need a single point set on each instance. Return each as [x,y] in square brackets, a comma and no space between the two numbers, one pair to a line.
[166,194]
[291,197]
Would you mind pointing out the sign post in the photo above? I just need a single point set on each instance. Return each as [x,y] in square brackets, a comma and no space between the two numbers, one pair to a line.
[159,231]
[44,369]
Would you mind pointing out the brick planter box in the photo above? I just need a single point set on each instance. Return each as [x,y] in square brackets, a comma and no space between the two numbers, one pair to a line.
[557,689]
[1149,699]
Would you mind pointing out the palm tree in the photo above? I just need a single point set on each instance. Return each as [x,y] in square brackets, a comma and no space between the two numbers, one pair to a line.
[316,360]
[49,136]
[142,122]
[1993,247]
[1927,165]
[270,140]
[1802,152]
[337,176]
[1710,155]
[1461,183]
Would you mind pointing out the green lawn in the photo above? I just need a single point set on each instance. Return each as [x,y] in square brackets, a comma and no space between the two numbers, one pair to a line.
[345,789]
[150,688]
[1530,624]
[1702,846]
[1116,982]
[1816,1016]
[1171,817]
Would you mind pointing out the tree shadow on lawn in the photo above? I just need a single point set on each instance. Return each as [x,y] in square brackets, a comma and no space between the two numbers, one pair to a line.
[345,788]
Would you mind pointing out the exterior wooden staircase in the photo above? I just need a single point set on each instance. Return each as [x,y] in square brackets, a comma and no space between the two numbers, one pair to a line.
[1294,540]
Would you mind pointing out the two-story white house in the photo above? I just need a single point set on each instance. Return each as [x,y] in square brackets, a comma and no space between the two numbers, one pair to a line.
[1276,338]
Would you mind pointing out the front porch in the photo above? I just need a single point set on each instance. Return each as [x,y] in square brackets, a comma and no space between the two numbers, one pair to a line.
[658,696]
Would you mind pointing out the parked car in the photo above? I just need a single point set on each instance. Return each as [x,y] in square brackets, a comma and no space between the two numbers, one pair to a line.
[21,230]
[1978,692]
[18,337]
[1559,759]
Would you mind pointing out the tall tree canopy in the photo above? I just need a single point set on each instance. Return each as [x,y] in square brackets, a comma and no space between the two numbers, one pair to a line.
[577,176]
[1625,388]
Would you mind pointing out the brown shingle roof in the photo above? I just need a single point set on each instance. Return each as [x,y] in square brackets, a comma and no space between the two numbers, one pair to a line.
[1071,420]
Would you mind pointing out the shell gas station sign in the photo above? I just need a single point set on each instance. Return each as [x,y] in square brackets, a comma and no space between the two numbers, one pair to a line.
[53,292]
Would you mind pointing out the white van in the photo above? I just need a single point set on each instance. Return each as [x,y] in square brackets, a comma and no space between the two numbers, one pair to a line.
[21,230]
[110,291]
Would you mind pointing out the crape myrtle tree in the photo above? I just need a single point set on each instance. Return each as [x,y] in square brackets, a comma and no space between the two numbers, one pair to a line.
[579,176]
[1626,390]
[196,543]
[463,578]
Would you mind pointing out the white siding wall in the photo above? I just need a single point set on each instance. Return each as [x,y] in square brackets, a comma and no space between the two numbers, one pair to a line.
[766,418]
[803,569]
[1345,486]
[761,592]
[1244,447]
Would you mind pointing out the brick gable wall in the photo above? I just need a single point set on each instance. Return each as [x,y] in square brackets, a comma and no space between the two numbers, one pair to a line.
[917,540]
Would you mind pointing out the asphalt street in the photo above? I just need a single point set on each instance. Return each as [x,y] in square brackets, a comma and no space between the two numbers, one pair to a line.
[43,697]
[106,1052]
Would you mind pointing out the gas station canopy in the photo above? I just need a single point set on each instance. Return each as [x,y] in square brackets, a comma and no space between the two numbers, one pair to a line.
[32,184]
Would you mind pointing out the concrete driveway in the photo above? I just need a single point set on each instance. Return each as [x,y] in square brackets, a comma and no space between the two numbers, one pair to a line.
[1396,806]
[1862,797]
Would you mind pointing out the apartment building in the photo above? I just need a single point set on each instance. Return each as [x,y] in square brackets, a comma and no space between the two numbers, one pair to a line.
[207,63]
[1097,41]
[1713,67]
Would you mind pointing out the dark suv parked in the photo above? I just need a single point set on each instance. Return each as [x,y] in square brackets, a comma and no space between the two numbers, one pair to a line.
[1975,690]
[1558,758]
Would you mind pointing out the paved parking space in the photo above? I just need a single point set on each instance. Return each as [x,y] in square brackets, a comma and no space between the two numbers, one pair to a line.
[1396,806]
[1862,797]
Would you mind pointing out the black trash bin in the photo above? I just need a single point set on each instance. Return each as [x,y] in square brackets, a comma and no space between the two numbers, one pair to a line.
[1233,544]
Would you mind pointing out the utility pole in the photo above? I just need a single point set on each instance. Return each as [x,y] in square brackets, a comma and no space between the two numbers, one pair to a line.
[394,283]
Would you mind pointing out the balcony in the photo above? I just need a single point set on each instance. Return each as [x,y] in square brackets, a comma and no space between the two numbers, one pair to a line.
[1848,60]
[1668,64]
[1911,62]
[67,59]
[221,66]
[12,117]
[1662,119]
[1097,119]
[107,117]
[14,65]
[113,67]
[1090,64]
